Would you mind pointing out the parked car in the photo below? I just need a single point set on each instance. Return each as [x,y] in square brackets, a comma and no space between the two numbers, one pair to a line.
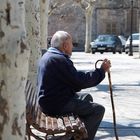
[123,40]
[107,43]
[135,43]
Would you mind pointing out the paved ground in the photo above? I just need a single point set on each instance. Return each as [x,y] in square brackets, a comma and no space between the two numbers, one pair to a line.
[125,75]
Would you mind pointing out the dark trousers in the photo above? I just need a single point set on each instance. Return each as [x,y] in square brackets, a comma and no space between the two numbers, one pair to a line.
[89,112]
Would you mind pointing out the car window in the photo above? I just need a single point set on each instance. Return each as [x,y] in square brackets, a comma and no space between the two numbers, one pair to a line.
[135,37]
[105,38]
[101,38]
[112,38]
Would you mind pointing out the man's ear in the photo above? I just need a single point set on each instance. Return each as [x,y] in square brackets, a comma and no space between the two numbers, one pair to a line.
[65,46]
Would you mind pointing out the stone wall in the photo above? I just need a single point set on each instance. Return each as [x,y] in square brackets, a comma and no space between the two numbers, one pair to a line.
[70,17]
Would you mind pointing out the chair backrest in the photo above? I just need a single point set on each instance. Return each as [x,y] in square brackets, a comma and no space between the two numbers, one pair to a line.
[31,100]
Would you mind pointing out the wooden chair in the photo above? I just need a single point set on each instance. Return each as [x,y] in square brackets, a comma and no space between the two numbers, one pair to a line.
[36,120]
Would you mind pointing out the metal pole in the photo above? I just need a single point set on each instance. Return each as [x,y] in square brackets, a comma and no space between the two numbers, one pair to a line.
[131,30]
[139,32]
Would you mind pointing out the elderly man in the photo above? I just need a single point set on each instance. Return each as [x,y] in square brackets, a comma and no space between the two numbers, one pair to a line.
[59,82]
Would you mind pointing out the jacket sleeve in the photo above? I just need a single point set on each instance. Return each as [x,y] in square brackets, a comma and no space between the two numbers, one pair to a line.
[78,80]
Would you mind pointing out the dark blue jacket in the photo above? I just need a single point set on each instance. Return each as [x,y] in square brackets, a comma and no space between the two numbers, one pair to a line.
[58,80]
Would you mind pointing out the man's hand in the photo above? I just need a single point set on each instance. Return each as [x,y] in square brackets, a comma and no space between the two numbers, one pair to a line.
[106,64]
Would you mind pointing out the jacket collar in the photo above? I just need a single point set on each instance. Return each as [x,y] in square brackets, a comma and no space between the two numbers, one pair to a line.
[55,50]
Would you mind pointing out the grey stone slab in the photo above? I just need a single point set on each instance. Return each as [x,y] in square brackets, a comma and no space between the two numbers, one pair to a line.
[120,123]
[125,75]
[137,132]
[123,134]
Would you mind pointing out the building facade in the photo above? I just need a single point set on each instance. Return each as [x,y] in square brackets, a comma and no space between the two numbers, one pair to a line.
[109,17]
[114,17]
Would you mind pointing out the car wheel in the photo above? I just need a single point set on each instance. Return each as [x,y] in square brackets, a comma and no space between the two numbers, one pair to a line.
[126,52]
[93,52]
[101,52]
[114,50]
[120,51]
[123,48]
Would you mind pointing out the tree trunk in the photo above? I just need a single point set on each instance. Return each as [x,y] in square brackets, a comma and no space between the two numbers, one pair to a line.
[14,57]
[44,5]
[88,14]
[139,32]
[33,36]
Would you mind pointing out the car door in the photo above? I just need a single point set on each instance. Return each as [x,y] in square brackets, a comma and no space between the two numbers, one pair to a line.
[118,44]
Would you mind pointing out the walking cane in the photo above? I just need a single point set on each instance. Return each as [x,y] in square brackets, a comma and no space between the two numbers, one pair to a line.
[112,101]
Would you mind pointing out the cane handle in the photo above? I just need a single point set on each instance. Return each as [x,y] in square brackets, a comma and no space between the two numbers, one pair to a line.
[100,60]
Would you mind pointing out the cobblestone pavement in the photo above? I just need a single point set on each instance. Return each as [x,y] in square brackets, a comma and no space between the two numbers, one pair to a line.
[125,77]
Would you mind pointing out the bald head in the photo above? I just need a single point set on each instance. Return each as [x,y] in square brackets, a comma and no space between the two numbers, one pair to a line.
[62,41]
[59,38]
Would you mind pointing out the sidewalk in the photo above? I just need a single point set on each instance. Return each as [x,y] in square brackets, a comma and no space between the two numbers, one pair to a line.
[125,75]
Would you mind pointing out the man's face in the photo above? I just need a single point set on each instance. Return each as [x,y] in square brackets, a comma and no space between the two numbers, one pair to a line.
[68,46]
